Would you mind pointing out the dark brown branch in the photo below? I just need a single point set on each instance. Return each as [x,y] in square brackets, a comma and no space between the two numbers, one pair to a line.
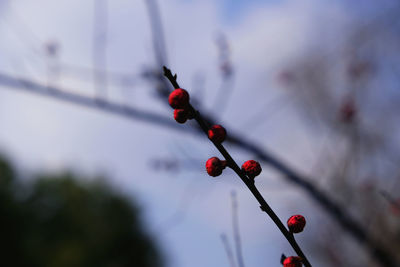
[348,223]
[248,182]
[335,210]
[171,78]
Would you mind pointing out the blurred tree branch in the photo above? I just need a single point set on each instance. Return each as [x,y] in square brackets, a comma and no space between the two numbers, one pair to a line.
[337,212]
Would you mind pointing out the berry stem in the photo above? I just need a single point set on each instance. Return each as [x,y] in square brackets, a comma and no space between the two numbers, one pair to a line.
[248,181]
[171,78]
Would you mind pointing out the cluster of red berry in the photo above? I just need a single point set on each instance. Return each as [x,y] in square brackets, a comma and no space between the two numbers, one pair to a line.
[348,111]
[215,166]
[296,225]
[179,101]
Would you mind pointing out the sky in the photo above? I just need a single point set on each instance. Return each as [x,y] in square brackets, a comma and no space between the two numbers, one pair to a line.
[185,210]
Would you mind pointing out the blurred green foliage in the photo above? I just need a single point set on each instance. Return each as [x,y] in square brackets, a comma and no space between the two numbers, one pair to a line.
[60,221]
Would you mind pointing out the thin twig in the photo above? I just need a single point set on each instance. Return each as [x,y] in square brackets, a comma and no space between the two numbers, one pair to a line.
[226,68]
[248,182]
[100,47]
[157,31]
[228,250]
[236,233]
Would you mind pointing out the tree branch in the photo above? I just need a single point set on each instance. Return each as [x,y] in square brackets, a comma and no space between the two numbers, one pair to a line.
[247,181]
[335,210]
[228,250]
[348,223]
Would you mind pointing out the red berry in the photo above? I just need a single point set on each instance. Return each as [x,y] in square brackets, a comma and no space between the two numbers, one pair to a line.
[395,207]
[180,115]
[217,133]
[286,77]
[252,168]
[179,98]
[348,111]
[292,261]
[358,69]
[296,223]
[215,166]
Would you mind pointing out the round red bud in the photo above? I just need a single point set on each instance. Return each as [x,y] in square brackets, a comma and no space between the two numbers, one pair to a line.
[215,166]
[217,133]
[180,115]
[179,98]
[292,261]
[252,168]
[296,223]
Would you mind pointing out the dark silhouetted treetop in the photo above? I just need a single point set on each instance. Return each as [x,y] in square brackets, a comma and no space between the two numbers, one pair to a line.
[64,220]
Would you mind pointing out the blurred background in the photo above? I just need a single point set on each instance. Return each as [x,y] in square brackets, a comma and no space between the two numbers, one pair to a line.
[95,171]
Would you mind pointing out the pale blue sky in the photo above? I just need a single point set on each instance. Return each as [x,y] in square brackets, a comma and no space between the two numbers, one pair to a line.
[265,37]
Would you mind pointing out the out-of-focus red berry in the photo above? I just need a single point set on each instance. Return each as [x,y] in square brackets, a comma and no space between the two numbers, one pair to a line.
[357,70]
[286,77]
[252,168]
[296,223]
[180,115]
[217,133]
[292,261]
[215,166]
[395,207]
[179,98]
[348,111]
